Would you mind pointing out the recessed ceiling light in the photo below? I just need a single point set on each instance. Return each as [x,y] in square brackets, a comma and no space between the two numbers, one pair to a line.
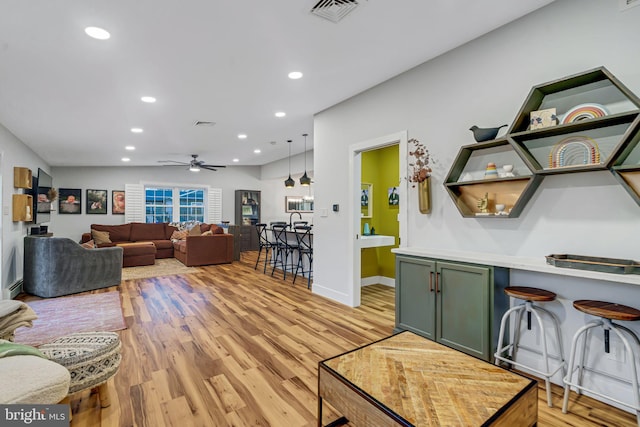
[236,160]
[129,148]
[242,136]
[281,114]
[136,130]
[97,33]
[295,75]
[125,159]
[148,99]
[257,151]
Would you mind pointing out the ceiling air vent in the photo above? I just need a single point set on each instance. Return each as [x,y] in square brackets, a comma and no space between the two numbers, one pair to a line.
[334,10]
[204,123]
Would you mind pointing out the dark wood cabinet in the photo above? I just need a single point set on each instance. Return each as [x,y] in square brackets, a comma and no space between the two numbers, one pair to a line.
[247,215]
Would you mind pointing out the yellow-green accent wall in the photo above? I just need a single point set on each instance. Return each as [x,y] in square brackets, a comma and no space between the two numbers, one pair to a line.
[380,168]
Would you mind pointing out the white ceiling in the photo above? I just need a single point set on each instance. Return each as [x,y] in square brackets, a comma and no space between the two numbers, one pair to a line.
[73,99]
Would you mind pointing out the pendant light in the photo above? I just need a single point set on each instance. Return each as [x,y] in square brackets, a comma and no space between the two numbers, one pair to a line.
[289,183]
[304,179]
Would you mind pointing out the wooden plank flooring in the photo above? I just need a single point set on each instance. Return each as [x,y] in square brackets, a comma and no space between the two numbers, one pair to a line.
[235,347]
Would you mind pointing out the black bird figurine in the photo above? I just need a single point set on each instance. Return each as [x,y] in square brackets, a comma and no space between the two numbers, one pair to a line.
[484,134]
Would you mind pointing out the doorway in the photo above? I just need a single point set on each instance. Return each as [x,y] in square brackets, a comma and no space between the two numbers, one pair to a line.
[355,174]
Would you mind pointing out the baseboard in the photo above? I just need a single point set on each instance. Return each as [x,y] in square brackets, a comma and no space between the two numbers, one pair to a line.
[378,280]
[15,289]
[340,297]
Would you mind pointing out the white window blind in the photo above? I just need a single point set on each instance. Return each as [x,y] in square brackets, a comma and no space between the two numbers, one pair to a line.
[214,207]
[134,203]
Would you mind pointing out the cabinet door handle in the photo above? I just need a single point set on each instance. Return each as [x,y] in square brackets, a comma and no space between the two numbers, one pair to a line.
[431,281]
[437,280]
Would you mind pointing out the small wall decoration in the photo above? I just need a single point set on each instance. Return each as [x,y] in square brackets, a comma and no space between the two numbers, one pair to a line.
[96,202]
[69,201]
[364,198]
[574,151]
[392,194]
[491,171]
[543,118]
[584,112]
[117,202]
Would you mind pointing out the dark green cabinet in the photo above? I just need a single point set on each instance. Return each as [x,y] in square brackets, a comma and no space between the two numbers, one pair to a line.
[456,304]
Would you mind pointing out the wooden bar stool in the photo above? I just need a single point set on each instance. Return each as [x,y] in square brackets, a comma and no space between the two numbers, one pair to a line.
[530,295]
[606,311]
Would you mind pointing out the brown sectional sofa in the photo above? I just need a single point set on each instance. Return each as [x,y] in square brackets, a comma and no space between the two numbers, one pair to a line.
[216,248]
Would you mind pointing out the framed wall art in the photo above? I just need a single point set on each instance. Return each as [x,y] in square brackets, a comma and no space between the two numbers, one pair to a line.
[69,201]
[96,202]
[298,204]
[117,202]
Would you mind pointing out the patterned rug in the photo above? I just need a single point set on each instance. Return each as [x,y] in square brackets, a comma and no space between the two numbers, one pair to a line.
[162,267]
[77,313]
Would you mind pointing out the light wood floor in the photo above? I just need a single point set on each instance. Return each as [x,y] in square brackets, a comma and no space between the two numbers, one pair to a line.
[235,347]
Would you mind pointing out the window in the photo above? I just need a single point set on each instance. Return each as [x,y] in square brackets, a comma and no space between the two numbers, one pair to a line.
[192,205]
[174,204]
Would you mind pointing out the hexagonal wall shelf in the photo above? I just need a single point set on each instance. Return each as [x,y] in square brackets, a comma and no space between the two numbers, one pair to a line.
[584,122]
[507,186]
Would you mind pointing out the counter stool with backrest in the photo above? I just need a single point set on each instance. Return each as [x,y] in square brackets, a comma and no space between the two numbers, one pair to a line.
[530,295]
[281,249]
[305,250]
[263,243]
[606,311]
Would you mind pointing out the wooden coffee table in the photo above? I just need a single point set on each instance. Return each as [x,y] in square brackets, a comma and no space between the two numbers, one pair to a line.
[409,380]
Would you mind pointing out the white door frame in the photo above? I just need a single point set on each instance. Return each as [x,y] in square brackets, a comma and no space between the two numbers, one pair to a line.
[355,173]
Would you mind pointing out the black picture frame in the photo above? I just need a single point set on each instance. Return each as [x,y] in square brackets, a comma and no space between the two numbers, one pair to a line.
[69,201]
[96,202]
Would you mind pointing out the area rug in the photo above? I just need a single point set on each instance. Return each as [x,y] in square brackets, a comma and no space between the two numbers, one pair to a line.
[162,267]
[65,315]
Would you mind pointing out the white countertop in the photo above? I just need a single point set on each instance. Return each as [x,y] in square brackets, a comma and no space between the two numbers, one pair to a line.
[376,240]
[516,263]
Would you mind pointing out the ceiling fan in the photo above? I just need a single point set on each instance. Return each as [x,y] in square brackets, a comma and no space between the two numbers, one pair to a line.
[194,165]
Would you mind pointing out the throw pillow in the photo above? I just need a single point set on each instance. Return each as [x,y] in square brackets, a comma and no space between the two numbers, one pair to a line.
[179,235]
[100,237]
[207,233]
[195,231]
[88,245]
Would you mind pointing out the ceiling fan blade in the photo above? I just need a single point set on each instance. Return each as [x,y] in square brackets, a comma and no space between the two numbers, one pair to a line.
[212,166]
[209,167]
[172,161]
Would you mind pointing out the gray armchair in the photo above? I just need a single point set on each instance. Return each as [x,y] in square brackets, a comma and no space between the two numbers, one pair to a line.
[55,266]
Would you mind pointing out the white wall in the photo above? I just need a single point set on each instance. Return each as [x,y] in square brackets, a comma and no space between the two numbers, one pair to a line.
[485,82]
[274,192]
[13,153]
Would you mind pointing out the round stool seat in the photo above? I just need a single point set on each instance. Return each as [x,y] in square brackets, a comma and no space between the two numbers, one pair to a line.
[607,310]
[91,357]
[529,294]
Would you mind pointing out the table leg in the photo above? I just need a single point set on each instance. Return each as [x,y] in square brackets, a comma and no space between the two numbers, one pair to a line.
[339,422]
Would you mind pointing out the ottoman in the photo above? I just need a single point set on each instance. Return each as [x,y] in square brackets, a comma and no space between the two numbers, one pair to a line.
[91,358]
[32,380]
[138,253]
